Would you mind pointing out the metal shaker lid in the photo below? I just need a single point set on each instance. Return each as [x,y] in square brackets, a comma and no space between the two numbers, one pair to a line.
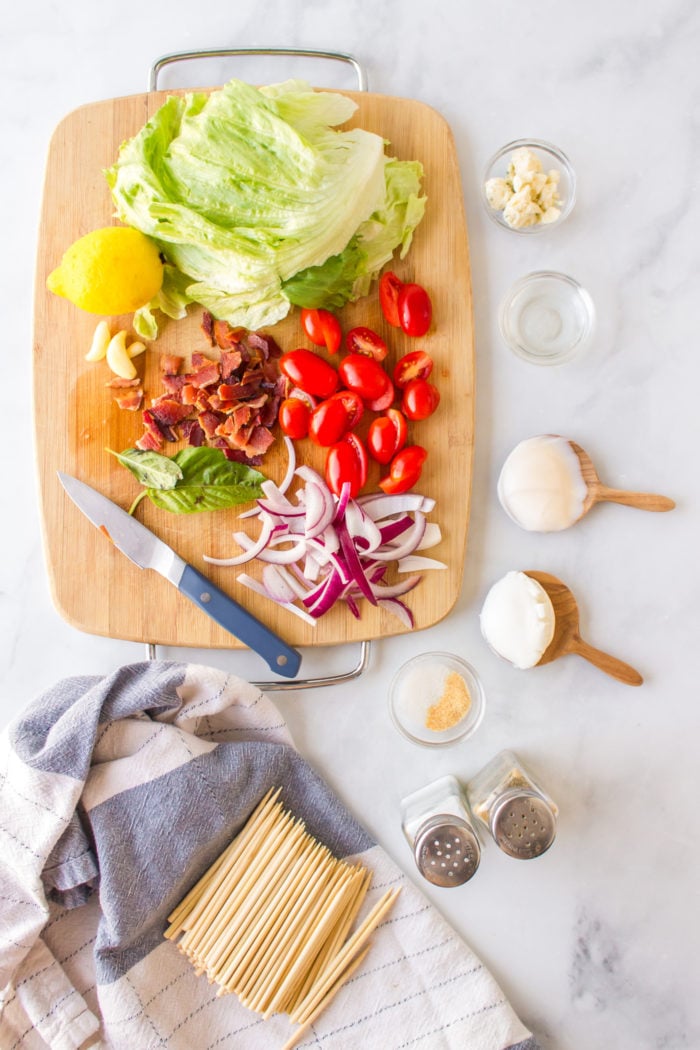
[523,825]
[447,851]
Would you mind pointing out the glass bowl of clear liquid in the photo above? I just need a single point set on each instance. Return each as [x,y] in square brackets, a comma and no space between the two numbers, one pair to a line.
[546,317]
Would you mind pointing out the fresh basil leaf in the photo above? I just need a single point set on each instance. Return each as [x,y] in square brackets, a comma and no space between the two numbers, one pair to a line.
[209,481]
[150,468]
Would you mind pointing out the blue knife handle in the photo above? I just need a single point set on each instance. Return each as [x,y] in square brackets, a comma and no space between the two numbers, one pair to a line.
[234,618]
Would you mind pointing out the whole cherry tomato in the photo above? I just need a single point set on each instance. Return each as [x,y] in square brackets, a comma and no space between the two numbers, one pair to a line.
[293,417]
[389,288]
[414,365]
[415,310]
[363,375]
[386,435]
[405,470]
[420,399]
[365,341]
[328,422]
[346,461]
[310,372]
[322,328]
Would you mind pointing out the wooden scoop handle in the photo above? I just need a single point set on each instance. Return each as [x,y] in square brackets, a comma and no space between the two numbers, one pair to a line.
[641,500]
[610,664]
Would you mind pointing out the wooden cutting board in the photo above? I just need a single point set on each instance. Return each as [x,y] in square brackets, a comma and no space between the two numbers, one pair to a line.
[97,589]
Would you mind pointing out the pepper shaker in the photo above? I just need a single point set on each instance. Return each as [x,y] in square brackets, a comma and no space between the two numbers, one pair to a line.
[518,813]
[436,823]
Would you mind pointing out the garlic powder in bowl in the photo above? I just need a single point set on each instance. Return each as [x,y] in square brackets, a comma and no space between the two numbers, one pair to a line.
[528,186]
[436,699]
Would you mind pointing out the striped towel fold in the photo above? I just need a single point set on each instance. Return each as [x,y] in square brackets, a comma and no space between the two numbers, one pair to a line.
[117,794]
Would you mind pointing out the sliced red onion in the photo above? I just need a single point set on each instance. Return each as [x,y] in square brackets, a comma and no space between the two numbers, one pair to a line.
[253,585]
[320,509]
[416,563]
[411,539]
[393,605]
[324,548]
[378,505]
[393,590]
[431,537]
[251,548]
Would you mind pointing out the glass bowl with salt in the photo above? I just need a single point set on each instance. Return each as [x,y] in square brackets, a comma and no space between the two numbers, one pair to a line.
[436,699]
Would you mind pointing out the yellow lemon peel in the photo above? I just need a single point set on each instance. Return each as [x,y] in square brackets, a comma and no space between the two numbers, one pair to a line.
[110,271]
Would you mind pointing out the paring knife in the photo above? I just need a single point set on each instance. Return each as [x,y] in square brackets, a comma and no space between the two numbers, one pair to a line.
[148,552]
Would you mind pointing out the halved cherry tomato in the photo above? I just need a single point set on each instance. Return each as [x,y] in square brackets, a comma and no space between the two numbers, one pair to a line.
[346,461]
[328,423]
[353,405]
[415,310]
[381,403]
[293,417]
[334,417]
[322,328]
[389,288]
[365,341]
[363,375]
[405,470]
[420,399]
[310,372]
[386,436]
[414,365]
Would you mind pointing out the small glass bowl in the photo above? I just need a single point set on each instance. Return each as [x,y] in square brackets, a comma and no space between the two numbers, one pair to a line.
[546,317]
[419,684]
[551,157]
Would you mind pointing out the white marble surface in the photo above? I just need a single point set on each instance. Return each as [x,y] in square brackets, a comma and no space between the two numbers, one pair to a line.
[597,942]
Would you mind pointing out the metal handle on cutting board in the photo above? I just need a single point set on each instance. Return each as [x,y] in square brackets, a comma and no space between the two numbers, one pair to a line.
[229,52]
[184,56]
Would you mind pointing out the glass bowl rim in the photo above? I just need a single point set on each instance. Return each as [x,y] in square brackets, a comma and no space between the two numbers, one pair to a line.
[545,147]
[533,278]
[476,692]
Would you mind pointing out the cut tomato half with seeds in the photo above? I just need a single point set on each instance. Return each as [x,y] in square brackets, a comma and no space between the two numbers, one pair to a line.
[365,341]
[389,290]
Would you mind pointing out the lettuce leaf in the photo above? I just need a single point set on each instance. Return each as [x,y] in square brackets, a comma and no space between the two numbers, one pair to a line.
[257,202]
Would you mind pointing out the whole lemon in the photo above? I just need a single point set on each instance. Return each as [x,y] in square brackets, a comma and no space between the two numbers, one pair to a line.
[114,270]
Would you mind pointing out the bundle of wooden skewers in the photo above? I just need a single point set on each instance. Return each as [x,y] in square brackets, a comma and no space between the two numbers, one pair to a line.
[270,920]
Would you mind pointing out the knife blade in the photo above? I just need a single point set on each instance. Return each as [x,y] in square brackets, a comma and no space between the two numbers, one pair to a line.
[147,551]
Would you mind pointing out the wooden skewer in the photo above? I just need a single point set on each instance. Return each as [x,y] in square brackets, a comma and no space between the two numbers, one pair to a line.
[251,947]
[300,956]
[318,889]
[337,964]
[241,876]
[361,880]
[210,902]
[256,905]
[326,1000]
[185,907]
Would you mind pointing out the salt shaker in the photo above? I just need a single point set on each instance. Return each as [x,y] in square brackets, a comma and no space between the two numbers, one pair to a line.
[436,822]
[519,814]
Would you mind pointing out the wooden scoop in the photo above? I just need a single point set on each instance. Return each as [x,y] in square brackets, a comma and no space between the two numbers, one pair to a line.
[566,633]
[599,493]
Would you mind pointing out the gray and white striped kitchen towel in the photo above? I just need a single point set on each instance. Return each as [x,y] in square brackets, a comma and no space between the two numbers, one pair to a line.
[116,794]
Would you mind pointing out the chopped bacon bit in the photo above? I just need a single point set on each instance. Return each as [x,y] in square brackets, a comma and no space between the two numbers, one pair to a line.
[117,383]
[168,412]
[170,364]
[225,336]
[208,327]
[231,361]
[152,438]
[131,400]
[230,403]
